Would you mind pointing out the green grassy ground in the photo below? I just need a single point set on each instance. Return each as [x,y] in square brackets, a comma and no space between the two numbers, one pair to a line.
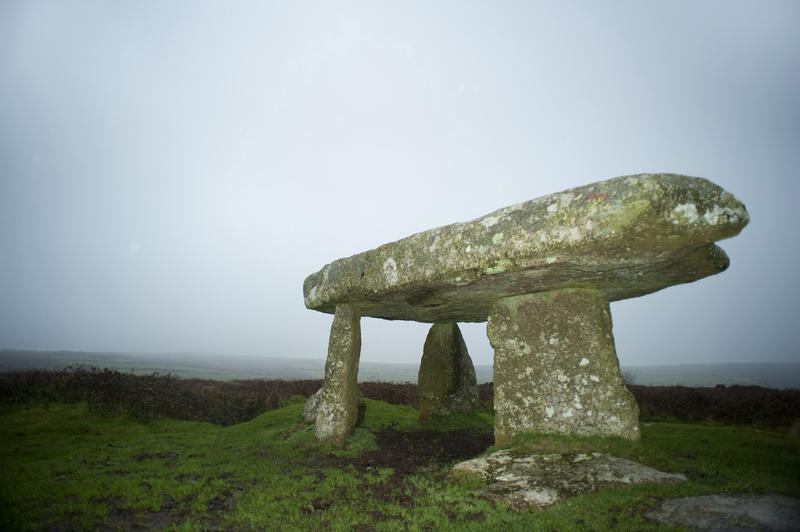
[67,467]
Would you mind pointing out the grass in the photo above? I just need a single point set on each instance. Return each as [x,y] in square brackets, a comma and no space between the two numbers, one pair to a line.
[67,466]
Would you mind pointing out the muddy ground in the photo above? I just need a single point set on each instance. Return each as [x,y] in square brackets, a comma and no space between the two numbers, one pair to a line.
[405,452]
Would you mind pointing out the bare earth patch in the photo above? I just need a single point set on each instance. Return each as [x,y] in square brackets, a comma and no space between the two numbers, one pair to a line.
[408,452]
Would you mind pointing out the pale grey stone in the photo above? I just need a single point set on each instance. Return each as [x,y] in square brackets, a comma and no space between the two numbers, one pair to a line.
[626,237]
[312,407]
[741,512]
[556,369]
[446,378]
[338,411]
[540,480]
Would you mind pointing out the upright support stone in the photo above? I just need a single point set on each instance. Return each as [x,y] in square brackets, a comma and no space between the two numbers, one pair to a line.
[555,367]
[446,375]
[339,402]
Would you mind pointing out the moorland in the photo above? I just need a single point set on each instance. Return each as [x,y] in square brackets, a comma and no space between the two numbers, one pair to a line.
[87,448]
[225,366]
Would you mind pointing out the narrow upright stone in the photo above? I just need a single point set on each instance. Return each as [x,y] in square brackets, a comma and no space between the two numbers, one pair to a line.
[556,369]
[446,375]
[339,402]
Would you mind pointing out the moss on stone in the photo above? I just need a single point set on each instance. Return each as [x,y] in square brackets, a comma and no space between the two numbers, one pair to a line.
[556,368]
[446,380]
[338,412]
[629,236]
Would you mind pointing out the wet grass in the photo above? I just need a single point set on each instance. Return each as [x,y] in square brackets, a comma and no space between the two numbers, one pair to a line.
[68,466]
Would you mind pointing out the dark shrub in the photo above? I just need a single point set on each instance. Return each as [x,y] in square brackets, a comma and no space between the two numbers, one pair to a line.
[149,396]
[739,405]
[228,402]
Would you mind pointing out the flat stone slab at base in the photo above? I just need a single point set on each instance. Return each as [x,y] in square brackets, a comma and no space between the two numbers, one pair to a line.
[731,512]
[542,480]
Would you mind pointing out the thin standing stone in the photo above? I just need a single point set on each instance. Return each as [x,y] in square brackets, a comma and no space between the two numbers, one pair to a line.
[339,402]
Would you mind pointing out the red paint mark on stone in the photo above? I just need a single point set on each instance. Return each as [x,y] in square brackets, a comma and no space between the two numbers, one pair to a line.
[599,195]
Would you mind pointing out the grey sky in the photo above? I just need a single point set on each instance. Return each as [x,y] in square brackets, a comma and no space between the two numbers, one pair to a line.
[171,171]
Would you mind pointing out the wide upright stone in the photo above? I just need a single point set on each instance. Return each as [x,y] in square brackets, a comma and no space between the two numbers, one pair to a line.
[339,401]
[625,237]
[446,380]
[556,369]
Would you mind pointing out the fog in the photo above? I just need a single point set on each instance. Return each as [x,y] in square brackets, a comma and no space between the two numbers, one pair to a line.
[170,172]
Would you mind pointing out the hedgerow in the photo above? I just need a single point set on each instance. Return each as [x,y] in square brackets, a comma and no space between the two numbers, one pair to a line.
[147,397]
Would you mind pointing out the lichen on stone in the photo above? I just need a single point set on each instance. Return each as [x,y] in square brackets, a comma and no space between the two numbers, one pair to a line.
[554,330]
[626,236]
[542,273]
[446,380]
[338,411]
[541,480]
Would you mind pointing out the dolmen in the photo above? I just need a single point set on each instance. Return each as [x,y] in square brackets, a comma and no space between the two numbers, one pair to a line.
[541,274]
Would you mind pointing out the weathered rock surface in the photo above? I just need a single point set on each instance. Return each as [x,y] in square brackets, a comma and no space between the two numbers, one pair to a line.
[625,237]
[731,512]
[542,272]
[545,479]
[339,402]
[311,409]
[446,379]
[556,369]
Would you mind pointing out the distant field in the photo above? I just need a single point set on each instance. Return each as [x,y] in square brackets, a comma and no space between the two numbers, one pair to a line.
[218,367]
[778,375]
[229,367]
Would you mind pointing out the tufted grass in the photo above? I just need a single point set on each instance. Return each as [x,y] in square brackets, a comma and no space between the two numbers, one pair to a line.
[67,466]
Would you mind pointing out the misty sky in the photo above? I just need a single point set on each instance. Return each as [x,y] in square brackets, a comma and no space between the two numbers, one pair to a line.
[170,172]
